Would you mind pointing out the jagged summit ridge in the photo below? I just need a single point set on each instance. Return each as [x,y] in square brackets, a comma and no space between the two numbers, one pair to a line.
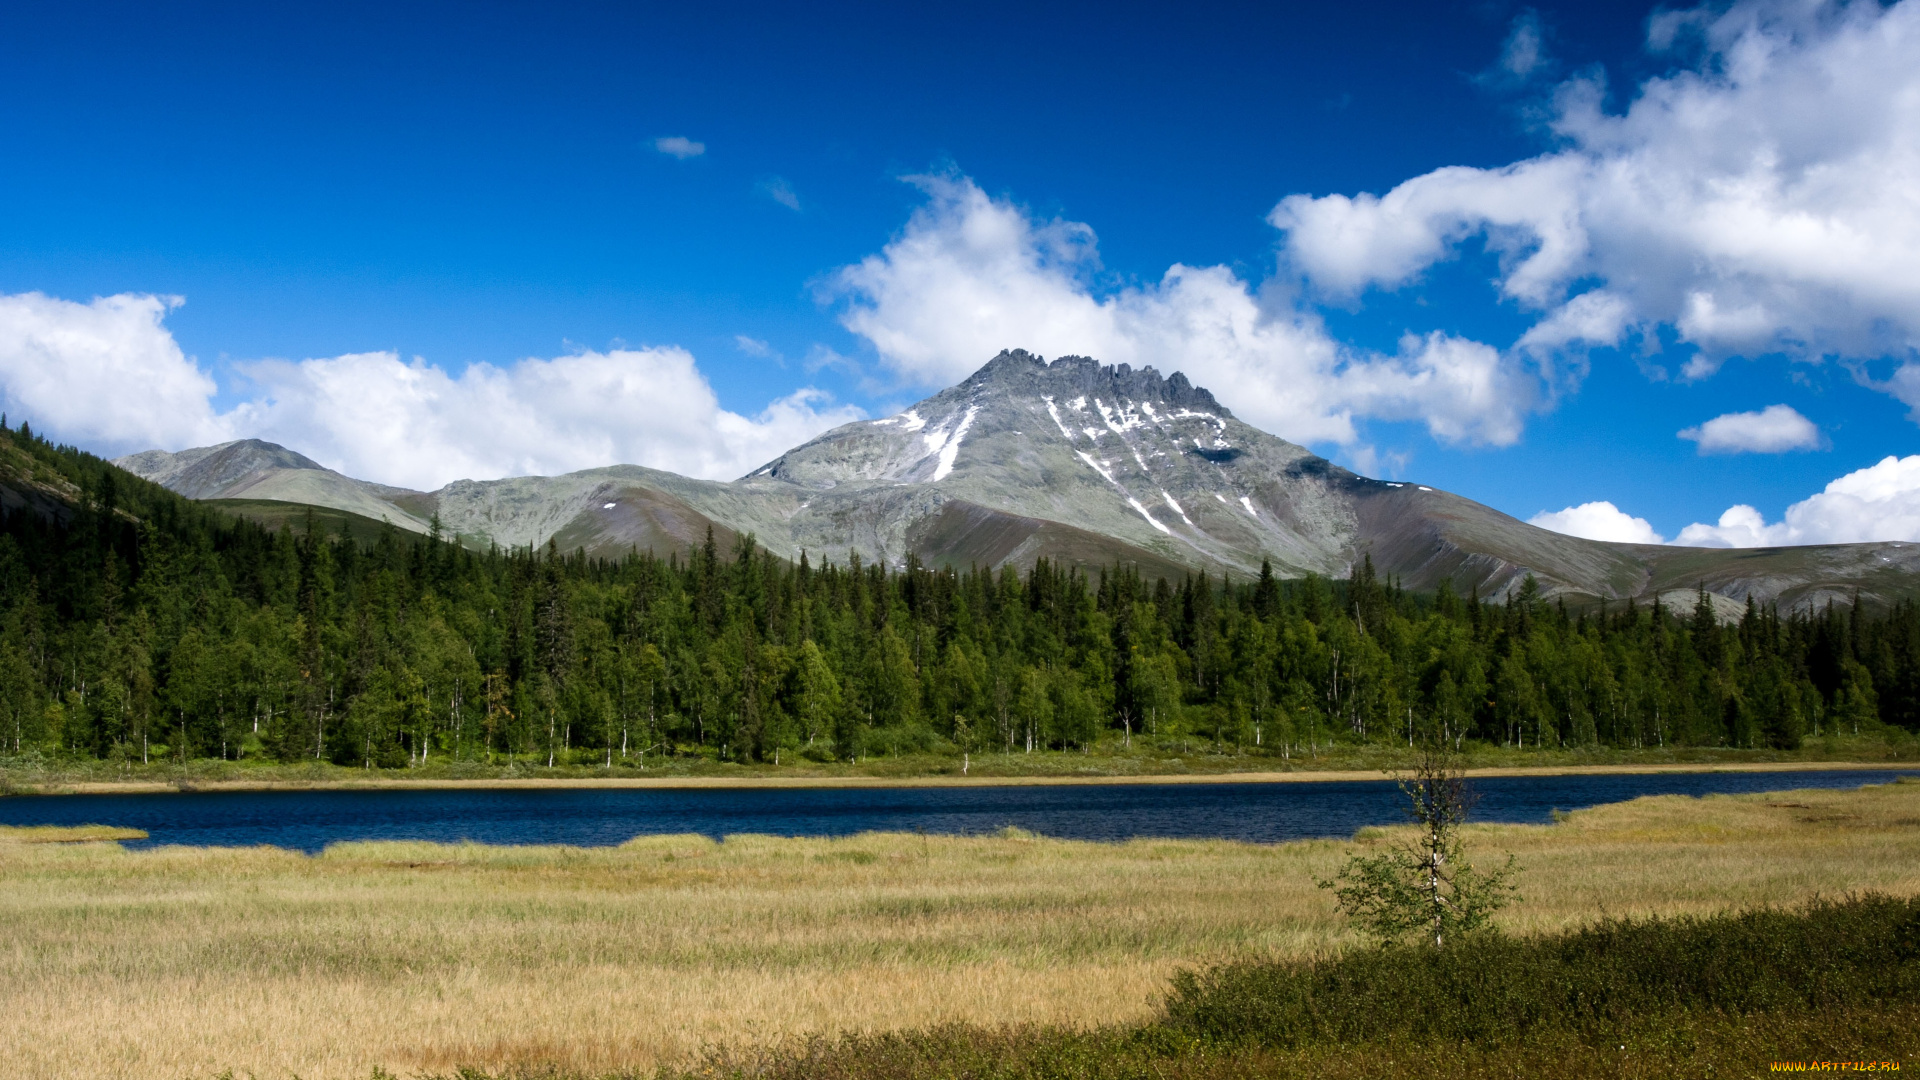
[1069,376]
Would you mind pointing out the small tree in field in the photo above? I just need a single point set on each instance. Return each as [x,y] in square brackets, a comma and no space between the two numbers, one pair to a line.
[1425,887]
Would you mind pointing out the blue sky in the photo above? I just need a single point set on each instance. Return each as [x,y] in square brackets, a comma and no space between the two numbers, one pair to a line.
[485,184]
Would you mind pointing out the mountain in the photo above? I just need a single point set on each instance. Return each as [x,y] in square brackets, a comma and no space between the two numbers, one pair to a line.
[257,470]
[1073,461]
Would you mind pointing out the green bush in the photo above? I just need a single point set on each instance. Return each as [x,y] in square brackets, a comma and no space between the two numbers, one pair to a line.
[1606,978]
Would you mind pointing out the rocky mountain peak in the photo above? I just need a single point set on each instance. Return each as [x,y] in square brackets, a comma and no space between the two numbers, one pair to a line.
[206,470]
[1020,371]
[1017,406]
[1150,461]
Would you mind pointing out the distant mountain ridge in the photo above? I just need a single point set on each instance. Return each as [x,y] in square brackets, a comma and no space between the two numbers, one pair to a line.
[1071,460]
[256,469]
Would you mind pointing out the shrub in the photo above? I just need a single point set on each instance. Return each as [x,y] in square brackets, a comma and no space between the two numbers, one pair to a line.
[1606,978]
[1425,887]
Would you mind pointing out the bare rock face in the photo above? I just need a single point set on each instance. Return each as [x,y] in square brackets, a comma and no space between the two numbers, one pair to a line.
[1073,461]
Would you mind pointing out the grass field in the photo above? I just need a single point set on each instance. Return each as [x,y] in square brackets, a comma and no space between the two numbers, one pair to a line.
[417,957]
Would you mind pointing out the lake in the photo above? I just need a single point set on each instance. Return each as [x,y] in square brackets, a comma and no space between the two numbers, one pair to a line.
[1264,812]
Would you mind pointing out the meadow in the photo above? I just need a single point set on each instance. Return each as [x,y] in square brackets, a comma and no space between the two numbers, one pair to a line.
[668,950]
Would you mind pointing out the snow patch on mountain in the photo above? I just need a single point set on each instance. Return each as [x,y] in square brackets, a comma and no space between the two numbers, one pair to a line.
[1096,467]
[1054,411]
[1176,508]
[949,448]
[1135,503]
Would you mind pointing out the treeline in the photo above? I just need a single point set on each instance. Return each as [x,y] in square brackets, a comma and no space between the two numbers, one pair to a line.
[139,625]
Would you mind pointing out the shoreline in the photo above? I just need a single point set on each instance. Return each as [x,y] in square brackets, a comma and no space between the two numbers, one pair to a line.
[1303,776]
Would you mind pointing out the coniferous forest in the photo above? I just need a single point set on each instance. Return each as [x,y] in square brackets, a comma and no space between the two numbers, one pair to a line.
[136,625]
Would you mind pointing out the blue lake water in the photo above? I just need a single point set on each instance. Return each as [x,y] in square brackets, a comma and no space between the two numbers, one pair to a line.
[310,820]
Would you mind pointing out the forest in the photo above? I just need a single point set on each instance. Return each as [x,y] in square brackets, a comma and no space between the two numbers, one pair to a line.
[136,625]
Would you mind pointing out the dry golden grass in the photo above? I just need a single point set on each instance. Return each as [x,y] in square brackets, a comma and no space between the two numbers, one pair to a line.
[184,962]
[66,834]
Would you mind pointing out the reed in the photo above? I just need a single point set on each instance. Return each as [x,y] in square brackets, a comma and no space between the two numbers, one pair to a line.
[185,962]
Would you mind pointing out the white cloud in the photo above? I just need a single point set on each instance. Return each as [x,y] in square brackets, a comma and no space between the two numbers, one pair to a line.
[1369,460]
[753,346]
[1528,212]
[1760,200]
[1904,385]
[1598,521]
[109,376]
[971,275]
[781,192]
[105,374]
[679,146]
[412,424]
[1741,526]
[1880,502]
[1775,429]
[1523,57]
[1598,317]
[1525,51]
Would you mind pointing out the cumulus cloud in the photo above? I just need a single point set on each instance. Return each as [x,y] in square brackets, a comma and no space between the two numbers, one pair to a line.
[108,375]
[971,275]
[1740,526]
[1880,502]
[1598,521]
[679,146]
[377,417]
[1775,429]
[1760,200]
[105,374]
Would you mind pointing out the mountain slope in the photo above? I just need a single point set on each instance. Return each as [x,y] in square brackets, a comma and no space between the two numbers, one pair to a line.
[1072,461]
[1154,463]
[253,469]
[274,515]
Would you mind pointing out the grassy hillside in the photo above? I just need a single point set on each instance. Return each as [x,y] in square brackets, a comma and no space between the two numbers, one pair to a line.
[964,535]
[274,515]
